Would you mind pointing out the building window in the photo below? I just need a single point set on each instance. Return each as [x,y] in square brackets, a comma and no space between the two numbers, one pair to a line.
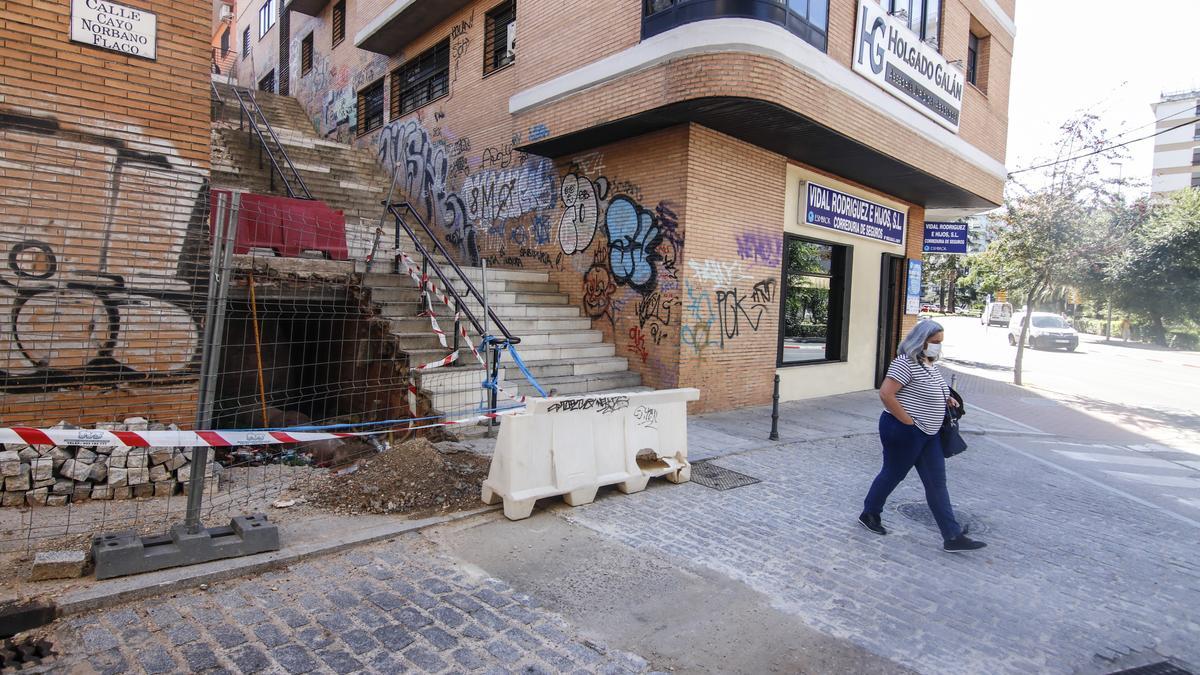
[924,17]
[808,19]
[815,302]
[1196,181]
[246,43]
[972,59]
[267,83]
[225,42]
[266,17]
[370,108]
[306,55]
[422,80]
[339,23]
[500,37]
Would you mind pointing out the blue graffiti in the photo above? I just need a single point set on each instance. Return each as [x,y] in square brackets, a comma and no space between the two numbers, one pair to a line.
[537,132]
[541,229]
[633,239]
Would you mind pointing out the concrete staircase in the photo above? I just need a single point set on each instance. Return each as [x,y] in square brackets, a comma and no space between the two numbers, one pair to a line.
[558,344]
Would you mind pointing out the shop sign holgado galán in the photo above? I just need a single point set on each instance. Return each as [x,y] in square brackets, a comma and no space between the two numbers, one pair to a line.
[115,27]
[893,57]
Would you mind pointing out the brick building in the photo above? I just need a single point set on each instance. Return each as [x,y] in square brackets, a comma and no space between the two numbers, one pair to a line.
[104,164]
[729,190]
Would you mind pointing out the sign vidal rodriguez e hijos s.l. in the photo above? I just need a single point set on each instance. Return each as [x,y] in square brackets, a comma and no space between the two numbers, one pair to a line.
[115,27]
[893,57]
[836,210]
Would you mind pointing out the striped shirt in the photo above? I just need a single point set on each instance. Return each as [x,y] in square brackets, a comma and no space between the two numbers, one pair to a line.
[923,392]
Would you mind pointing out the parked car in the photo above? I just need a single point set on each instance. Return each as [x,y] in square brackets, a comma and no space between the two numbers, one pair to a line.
[996,314]
[1046,331]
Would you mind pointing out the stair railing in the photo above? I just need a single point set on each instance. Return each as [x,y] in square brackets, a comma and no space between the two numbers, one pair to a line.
[396,210]
[250,110]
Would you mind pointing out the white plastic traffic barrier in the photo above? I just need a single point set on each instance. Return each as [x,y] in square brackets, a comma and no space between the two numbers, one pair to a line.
[572,446]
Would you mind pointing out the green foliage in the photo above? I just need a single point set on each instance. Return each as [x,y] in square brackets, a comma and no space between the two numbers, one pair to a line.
[1157,274]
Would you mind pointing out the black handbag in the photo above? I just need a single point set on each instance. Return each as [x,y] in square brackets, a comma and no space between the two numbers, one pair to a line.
[952,440]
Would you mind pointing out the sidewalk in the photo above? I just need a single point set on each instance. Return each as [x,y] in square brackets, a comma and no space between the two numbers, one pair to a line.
[770,577]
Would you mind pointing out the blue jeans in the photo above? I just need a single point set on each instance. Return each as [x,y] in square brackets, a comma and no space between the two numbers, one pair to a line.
[903,448]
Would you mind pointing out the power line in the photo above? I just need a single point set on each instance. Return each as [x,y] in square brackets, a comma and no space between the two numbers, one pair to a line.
[1101,150]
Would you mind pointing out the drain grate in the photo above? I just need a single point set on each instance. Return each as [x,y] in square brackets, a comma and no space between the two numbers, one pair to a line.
[919,512]
[17,653]
[718,477]
[1160,668]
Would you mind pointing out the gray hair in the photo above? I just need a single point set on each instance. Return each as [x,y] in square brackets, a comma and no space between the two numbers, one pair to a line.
[913,344]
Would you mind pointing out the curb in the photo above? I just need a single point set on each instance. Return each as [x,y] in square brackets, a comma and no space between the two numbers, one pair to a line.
[108,593]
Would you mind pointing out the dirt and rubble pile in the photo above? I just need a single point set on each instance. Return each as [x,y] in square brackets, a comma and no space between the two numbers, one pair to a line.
[413,477]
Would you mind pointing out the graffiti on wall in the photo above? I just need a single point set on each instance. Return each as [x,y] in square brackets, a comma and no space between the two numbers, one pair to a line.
[581,200]
[81,302]
[633,239]
[760,248]
[719,315]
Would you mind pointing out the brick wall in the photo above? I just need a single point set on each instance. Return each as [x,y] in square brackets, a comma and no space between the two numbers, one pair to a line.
[104,188]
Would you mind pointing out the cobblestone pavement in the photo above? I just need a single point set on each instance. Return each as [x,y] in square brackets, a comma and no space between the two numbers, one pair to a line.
[1074,574]
[390,608]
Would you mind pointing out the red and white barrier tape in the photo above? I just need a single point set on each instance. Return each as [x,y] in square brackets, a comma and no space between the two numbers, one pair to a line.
[427,284]
[202,439]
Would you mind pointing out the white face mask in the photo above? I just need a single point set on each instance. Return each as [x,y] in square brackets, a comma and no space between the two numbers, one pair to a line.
[933,351]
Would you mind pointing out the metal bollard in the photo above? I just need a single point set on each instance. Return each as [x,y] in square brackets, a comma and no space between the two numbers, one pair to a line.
[775,412]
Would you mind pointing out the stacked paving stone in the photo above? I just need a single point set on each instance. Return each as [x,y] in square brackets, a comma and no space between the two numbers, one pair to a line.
[44,475]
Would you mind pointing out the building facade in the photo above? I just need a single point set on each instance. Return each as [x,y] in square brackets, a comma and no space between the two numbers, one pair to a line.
[729,190]
[104,162]
[1177,148]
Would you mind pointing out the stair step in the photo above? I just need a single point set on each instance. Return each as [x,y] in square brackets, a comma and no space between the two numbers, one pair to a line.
[408,310]
[519,327]
[572,385]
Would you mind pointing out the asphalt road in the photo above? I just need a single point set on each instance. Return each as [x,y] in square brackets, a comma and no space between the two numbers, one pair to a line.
[1152,392]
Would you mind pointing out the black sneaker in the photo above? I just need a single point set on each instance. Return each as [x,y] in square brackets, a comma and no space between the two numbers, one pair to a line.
[872,522]
[962,544]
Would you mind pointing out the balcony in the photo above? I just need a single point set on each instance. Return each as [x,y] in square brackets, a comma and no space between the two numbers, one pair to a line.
[403,21]
[309,7]
[807,19]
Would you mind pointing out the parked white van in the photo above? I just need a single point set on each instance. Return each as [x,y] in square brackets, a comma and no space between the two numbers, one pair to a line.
[1046,331]
[996,314]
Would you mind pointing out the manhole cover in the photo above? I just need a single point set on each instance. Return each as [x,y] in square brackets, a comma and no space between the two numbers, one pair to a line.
[919,512]
[1160,668]
[718,477]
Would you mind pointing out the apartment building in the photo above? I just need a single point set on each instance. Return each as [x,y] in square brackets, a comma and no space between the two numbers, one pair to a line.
[1177,149]
[730,190]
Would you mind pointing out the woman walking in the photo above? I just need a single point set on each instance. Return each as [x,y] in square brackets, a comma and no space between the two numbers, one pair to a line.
[915,397]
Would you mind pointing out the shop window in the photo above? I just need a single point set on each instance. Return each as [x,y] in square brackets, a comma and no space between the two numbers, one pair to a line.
[306,55]
[500,37]
[422,80]
[924,17]
[339,23]
[808,19]
[370,108]
[246,43]
[266,17]
[815,302]
[267,83]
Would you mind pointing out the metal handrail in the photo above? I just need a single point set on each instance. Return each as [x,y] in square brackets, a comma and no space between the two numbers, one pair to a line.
[249,111]
[394,209]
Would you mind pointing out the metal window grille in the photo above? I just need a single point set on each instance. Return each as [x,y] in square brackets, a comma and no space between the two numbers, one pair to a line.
[246,43]
[422,80]
[339,23]
[306,55]
[499,49]
[370,105]
[267,83]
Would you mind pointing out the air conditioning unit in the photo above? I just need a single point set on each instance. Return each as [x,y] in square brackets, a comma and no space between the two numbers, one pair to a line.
[511,44]
[226,12]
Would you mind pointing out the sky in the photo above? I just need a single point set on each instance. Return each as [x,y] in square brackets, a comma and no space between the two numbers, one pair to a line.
[1113,58]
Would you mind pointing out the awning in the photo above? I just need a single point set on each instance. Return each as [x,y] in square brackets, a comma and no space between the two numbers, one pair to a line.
[786,132]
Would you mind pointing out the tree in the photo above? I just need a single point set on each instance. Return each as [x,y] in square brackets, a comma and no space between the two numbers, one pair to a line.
[1158,273]
[1045,231]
